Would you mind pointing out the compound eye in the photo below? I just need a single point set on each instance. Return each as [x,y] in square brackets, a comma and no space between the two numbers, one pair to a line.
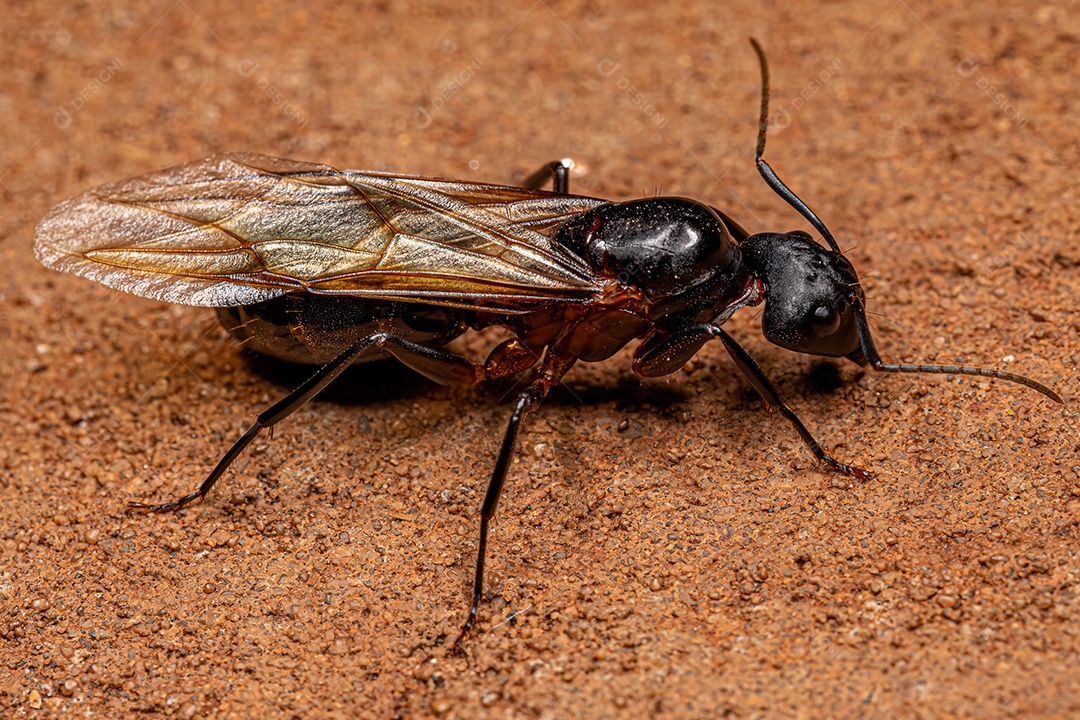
[826,320]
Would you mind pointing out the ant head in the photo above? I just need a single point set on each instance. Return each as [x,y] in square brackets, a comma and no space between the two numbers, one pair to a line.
[812,295]
[813,301]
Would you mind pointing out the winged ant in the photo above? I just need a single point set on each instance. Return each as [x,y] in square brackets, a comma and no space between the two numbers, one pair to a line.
[316,265]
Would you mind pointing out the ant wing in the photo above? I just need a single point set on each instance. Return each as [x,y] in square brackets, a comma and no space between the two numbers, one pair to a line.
[239,229]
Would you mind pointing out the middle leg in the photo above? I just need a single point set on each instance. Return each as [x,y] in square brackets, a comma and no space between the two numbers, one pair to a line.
[552,369]
[557,171]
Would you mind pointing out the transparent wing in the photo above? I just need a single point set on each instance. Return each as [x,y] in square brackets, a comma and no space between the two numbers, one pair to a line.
[242,228]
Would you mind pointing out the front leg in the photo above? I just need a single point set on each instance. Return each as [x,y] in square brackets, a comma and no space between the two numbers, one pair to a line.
[663,355]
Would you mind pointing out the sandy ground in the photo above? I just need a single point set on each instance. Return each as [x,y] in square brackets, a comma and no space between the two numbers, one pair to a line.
[664,548]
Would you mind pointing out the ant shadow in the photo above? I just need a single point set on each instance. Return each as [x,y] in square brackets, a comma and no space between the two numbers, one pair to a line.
[823,378]
[368,383]
[388,380]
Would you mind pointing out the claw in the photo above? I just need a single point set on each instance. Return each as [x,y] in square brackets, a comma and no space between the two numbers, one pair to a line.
[172,505]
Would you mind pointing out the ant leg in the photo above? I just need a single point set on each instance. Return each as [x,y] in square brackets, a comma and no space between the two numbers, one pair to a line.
[438,365]
[769,394]
[558,172]
[554,367]
[665,355]
[527,401]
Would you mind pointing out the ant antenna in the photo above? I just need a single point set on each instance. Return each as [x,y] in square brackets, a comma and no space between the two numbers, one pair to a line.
[767,173]
[867,354]
[870,354]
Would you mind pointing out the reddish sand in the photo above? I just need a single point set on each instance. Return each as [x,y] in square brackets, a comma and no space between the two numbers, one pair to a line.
[664,548]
